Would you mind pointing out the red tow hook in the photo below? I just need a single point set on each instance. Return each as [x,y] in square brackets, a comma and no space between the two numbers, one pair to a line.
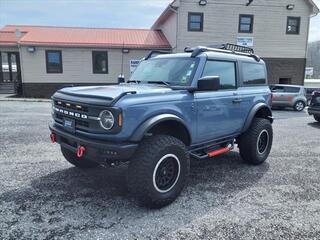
[53,138]
[80,151]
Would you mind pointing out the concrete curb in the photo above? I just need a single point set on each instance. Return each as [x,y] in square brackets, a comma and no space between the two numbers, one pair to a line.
[24,100]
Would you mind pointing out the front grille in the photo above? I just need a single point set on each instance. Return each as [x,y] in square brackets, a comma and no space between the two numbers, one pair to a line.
[85,116]
[73,106]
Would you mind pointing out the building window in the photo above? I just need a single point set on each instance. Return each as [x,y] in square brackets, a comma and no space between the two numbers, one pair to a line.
[195,22]
[245,23]
[54,61]
[226,71]
[293,25]
[100,62]
[253,74]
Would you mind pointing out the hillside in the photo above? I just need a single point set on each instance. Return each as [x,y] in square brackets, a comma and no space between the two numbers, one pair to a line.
[313,58]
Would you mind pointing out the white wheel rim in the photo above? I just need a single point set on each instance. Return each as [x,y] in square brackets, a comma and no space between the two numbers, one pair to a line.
[299,106]
[156,168]
[259,139]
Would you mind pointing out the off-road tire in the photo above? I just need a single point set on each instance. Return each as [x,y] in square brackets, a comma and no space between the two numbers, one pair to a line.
[249,145]
[145,164]
[317,117]
[78,162]
[297,105]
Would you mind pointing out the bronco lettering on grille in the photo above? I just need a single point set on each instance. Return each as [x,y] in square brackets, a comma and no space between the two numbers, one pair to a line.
[73,114]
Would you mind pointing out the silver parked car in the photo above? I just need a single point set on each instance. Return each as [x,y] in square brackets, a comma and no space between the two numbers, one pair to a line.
[289,96]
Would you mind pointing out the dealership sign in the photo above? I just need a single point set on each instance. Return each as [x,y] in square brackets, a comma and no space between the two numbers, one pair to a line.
[309,71]
[133,64]
[245,41]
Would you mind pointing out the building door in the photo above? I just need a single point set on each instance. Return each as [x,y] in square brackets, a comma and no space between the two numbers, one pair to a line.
[10,73]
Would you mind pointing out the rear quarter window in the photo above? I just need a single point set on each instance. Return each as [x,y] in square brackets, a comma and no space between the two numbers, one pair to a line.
[253,74]
[291,89]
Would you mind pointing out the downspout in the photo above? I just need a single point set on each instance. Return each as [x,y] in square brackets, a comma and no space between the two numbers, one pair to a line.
[21,64]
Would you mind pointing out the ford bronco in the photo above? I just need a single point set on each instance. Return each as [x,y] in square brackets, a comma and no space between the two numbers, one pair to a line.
[195,104]
[314,108]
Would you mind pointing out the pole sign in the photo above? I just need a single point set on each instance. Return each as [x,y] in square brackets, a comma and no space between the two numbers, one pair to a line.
[245,41]
[133,64]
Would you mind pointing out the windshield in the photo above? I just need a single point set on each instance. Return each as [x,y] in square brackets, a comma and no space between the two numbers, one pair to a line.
[173,71]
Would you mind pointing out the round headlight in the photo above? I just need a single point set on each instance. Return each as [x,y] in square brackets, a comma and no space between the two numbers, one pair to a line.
[106,119]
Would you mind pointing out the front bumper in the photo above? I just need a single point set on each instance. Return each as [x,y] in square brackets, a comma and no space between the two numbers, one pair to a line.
[96,150]
[314,110]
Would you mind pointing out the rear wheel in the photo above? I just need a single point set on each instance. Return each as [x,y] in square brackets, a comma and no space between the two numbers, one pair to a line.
[317,117]
[78,162]
[255,144]
[299,106]
[158,171]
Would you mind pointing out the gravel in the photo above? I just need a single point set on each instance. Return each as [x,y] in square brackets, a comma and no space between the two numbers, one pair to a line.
[44,197]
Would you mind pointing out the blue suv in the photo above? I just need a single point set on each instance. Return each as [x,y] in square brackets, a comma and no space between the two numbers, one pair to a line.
[195,104]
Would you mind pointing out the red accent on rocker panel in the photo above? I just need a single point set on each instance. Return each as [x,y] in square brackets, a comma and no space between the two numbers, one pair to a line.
[80,151]
[219,151]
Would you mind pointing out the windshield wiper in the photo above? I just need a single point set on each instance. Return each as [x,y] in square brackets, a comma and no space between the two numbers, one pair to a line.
[161,82]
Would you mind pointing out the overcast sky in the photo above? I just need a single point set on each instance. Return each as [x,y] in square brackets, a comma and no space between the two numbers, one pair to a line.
[95,13]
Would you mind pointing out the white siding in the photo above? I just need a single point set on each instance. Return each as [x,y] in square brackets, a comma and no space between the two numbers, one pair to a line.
[221,19]
[77,65]
[9,49]
[169,29]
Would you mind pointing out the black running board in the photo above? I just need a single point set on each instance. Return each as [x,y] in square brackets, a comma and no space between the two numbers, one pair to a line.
[212,150]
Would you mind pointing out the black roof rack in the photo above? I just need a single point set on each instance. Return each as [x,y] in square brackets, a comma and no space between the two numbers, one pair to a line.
[224,48]
[153,52]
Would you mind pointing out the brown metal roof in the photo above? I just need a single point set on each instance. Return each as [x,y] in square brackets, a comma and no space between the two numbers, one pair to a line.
[8,38]
[72,36]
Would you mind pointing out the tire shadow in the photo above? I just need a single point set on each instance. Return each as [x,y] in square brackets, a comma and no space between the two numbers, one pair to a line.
[69,201]
[314,125]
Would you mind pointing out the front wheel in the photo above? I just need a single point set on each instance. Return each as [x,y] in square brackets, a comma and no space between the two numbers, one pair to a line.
[158,171]
[299,106]
[255,144]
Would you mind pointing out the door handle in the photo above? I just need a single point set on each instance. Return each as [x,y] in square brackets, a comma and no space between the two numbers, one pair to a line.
[237,100]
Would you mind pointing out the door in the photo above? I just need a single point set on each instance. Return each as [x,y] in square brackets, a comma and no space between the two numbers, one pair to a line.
[10,67]
[218,111]
[278,96]
[10,76]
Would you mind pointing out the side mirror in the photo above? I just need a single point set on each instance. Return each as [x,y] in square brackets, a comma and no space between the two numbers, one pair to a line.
[209,83]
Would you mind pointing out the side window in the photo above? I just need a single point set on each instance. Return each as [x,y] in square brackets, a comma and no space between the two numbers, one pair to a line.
[278,89]
[100,62]
[253,74]
[225,70]
[195,22]
[291,89]
[54,61]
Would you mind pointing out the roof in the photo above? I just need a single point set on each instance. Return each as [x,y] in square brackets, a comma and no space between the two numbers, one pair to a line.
[8,38]
[315,9]
[171,8]
[84,37]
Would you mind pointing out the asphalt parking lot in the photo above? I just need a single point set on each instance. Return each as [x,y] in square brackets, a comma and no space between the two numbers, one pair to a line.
[44,197]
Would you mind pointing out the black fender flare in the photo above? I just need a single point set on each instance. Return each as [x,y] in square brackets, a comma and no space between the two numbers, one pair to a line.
[151,122]
[253,112]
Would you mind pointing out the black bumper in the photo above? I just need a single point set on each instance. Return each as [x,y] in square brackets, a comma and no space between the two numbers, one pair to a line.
[96,150]
[314,110]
